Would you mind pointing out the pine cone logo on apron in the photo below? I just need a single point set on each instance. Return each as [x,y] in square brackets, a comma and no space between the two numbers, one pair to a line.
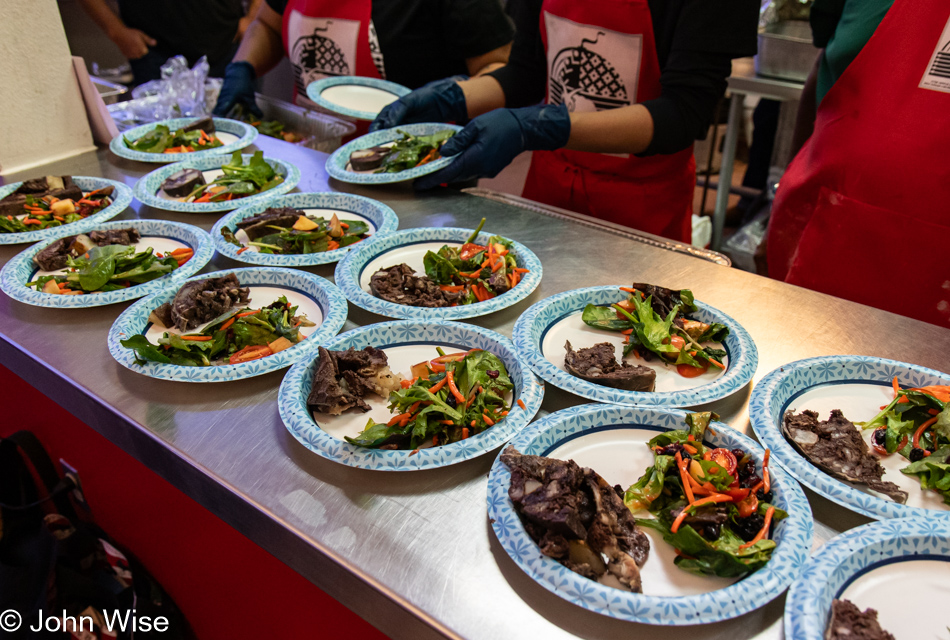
[315,55]
[578,72]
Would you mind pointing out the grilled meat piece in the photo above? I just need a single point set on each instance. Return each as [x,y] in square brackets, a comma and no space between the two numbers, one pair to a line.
[401,285]
[837,448]
[128,236]
[55,256]
[201,301]
[663,301]
[206,124]
[344,378]
[599,364]
[61,187]
[576,518]
[181,183]
[262,224]
[327,395]
[850,623]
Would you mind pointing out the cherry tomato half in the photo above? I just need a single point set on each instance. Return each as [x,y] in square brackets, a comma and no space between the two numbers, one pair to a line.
[678,343]
[725,459]
[689,371]
[250,353]
[748,506]
[627,306]
[469,250]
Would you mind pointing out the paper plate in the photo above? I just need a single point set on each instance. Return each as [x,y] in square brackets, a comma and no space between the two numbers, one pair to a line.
[405,343]
[858,386]
[900,568]
[146,189]
[611,441]
[338,162]
[234,134]
[160,235]
[320,300]
[354,96]
[381,220]
[121,198]
[410,246]
[542,330]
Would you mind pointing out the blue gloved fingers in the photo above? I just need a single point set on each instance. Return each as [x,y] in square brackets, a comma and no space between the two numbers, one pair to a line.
[392,115]
[438,101]
[457,144]
[237,88]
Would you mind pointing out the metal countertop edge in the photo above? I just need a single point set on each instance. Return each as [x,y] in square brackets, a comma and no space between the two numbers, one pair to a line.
[346,584]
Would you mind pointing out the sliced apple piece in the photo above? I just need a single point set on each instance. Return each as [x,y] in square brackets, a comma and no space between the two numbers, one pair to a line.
[305,224]
[336,229]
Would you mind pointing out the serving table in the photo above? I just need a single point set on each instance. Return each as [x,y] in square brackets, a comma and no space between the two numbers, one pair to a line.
[413,553]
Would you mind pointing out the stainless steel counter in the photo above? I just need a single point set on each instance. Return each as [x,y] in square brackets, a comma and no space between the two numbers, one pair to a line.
[413,553]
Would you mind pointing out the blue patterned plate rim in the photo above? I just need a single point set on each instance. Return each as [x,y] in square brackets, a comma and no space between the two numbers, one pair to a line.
[337,162]
[16,272]
[149,184]
[382,216]
[326,294]
[121,199]
[846,556]
[794,534]
[315,92]
[292,398]
[349,272]
[246,134]
[775,389]
[530,329]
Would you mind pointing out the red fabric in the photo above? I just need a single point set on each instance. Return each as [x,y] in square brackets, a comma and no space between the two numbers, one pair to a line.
[653,194]
[227,586]
[863,211]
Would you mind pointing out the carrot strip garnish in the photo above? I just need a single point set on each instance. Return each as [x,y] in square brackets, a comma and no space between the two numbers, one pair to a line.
[197,338]
[920,432]
[488,420]
[687,488]
[455,390]
[438,385]
[762,532]
[708,500]
[521,404]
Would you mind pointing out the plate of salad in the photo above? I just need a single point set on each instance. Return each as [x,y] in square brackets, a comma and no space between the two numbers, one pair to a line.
[879,581]
[440,273]
[392,155]
[37,209]
[354,96]
[180,138]
[301,229]
[870,434]
[217,183]
[228,325]
[639,344]
[648,514]
[403,395]
[115,262]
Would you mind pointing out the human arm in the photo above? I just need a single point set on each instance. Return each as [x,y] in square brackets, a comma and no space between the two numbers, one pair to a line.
[247,20]
[260,50]
[131,42]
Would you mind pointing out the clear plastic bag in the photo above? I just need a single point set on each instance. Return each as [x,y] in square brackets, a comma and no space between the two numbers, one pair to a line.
[180,92]
[775,11]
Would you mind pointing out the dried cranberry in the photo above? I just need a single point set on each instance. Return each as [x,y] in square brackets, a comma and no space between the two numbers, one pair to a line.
[492,374]
[880,437]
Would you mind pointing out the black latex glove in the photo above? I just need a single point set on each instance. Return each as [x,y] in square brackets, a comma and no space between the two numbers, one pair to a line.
[438,101]
[238,88]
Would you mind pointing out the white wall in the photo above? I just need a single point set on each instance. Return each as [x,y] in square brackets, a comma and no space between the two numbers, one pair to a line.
[42,117]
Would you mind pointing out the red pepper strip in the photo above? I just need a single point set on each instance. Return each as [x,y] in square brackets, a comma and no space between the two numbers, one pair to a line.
[920,432]
[763,531]
[708,500]
[455,390]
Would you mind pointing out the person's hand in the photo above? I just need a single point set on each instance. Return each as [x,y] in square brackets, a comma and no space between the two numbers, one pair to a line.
[243,24]
[133,43]
[238,88]
[491,141]
[438,101]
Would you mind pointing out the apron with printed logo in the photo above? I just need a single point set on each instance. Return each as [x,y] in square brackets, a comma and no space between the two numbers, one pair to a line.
[326,38]
[863,211]
[602,55]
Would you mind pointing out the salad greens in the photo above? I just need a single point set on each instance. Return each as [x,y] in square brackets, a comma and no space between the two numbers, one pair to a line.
[916,425]
[239,180]
[161,139]
[451,398]
[110,268]
[240,335]
[654,321]
[47,211]
[709,503]
[412,151]
[316,236]
[272,128]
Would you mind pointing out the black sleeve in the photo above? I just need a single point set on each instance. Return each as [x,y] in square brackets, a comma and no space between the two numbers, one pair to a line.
[277,5]
[476,27]
[696,45]
[824,18]
[524,78]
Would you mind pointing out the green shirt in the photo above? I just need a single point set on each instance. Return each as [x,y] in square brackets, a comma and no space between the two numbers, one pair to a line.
[842,28]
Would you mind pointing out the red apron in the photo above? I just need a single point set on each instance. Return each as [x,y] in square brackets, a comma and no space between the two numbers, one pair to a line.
[602,55]
[330,38]
[863,211]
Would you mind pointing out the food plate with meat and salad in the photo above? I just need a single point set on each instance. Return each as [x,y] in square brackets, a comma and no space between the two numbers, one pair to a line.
[405,395]
[354,96]
[639,344]
[37,209]
[301,229]
[438,273]
[228,325]
[648,514]
[180,138]
[117,261]
[217,183]
[879,581]
[392,155]
[870,434]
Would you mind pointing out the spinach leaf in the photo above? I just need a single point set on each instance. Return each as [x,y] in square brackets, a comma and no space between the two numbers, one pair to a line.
[933,472]
[715,333]
[604,318]
[373,434]
[144,350]
[641,494]
[438,268]
[96,270]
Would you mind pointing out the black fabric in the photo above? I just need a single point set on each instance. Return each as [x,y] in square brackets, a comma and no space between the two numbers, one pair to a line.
[426,40]
[824,18]
[696,41]
[192,28]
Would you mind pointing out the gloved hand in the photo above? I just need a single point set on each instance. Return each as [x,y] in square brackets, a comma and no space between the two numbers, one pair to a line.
[438,101]
[491,141]
[238,88]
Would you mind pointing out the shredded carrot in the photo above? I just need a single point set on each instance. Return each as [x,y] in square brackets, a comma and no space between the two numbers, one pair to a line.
[502,413]
[455,390]
[227,324]
[242,250]
[465,432]
[448,422]
[766,481]
[470,401]
[247,313]
[628,289]
[920,431]
[197,338]
[521,404]
[488,420]
[687,489]
[708,500]
[762,532]
[344,225]
[896,386]
[396,419]
[454,288]
[179,250]
[690,448]
[473,423]
[333,245]
[438,385]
